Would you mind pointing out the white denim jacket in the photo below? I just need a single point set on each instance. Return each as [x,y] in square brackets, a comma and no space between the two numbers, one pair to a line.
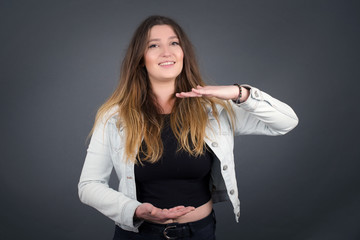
[259,114]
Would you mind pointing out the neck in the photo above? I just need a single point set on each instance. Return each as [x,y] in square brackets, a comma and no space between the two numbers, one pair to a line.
[164,92]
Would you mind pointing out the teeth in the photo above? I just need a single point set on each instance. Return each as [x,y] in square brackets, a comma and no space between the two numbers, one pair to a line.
[166,63]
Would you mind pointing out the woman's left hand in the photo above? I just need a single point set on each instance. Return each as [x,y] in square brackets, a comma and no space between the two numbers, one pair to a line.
[221,92]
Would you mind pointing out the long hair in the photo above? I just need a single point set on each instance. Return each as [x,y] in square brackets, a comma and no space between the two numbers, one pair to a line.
[138,110]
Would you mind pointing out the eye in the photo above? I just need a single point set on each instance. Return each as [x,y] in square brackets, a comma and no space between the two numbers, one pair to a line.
[153,46]
[175,43]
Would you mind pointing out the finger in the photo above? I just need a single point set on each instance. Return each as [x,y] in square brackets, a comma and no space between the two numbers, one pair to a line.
[172,215]
[155,211]
[177,208]
[191,208]
[188,209]
[202,91]
[179,213]
[180,95]
[188,94]
[191,93]
[181,210]
[198,91]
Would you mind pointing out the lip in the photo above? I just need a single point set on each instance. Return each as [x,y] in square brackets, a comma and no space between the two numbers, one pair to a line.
[167,63]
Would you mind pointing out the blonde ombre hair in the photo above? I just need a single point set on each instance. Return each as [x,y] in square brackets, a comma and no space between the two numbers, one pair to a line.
[137,107]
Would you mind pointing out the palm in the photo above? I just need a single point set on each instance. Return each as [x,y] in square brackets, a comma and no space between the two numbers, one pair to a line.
[151,213]
[221,92]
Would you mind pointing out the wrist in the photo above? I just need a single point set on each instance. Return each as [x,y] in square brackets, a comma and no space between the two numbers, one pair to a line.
[245,94]
[238,98]
[137,214]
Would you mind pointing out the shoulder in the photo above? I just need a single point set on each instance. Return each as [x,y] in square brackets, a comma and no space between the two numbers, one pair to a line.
[109,117]
[112,113]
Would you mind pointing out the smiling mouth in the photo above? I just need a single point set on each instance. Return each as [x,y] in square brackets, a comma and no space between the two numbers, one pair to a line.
[166,63]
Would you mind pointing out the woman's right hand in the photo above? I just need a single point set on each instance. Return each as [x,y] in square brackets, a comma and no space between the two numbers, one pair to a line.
[149,212]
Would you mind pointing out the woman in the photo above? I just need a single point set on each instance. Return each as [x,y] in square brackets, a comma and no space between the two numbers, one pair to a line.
[170,139]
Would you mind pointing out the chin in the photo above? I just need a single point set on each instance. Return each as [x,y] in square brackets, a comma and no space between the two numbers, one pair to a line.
[169,77]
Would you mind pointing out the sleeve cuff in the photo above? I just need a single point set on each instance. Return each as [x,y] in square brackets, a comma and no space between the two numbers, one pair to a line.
[128,214]
[253,99]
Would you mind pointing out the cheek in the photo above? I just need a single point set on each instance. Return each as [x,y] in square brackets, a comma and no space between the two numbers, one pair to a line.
[181,55]
[182,61]
[148,60]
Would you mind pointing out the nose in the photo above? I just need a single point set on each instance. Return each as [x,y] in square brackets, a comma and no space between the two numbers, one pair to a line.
[166,52]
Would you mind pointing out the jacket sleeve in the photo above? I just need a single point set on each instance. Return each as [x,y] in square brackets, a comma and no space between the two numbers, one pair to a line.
[93,185]
[263,114]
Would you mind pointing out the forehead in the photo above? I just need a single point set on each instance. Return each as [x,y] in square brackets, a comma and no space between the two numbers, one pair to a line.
[161,31]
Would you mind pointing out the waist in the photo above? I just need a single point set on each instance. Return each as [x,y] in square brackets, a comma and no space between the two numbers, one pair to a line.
[174,192]
[196,215]
[175,229]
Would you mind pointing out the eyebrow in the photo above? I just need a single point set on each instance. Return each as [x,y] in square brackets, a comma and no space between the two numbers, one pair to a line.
[158,39]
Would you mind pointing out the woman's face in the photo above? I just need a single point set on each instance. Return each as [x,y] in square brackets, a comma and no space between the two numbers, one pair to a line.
[163,55]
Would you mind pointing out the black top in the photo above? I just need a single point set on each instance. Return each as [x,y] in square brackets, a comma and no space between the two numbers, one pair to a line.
[177,178]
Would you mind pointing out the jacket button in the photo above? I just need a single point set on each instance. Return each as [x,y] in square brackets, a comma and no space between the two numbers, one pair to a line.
[225,167]
[232,191]
[214,144]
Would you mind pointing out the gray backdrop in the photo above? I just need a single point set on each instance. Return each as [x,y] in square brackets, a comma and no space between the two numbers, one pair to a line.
[60,60]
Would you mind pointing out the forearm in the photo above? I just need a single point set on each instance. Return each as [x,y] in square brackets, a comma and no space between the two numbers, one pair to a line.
[263,114]
[108,201]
